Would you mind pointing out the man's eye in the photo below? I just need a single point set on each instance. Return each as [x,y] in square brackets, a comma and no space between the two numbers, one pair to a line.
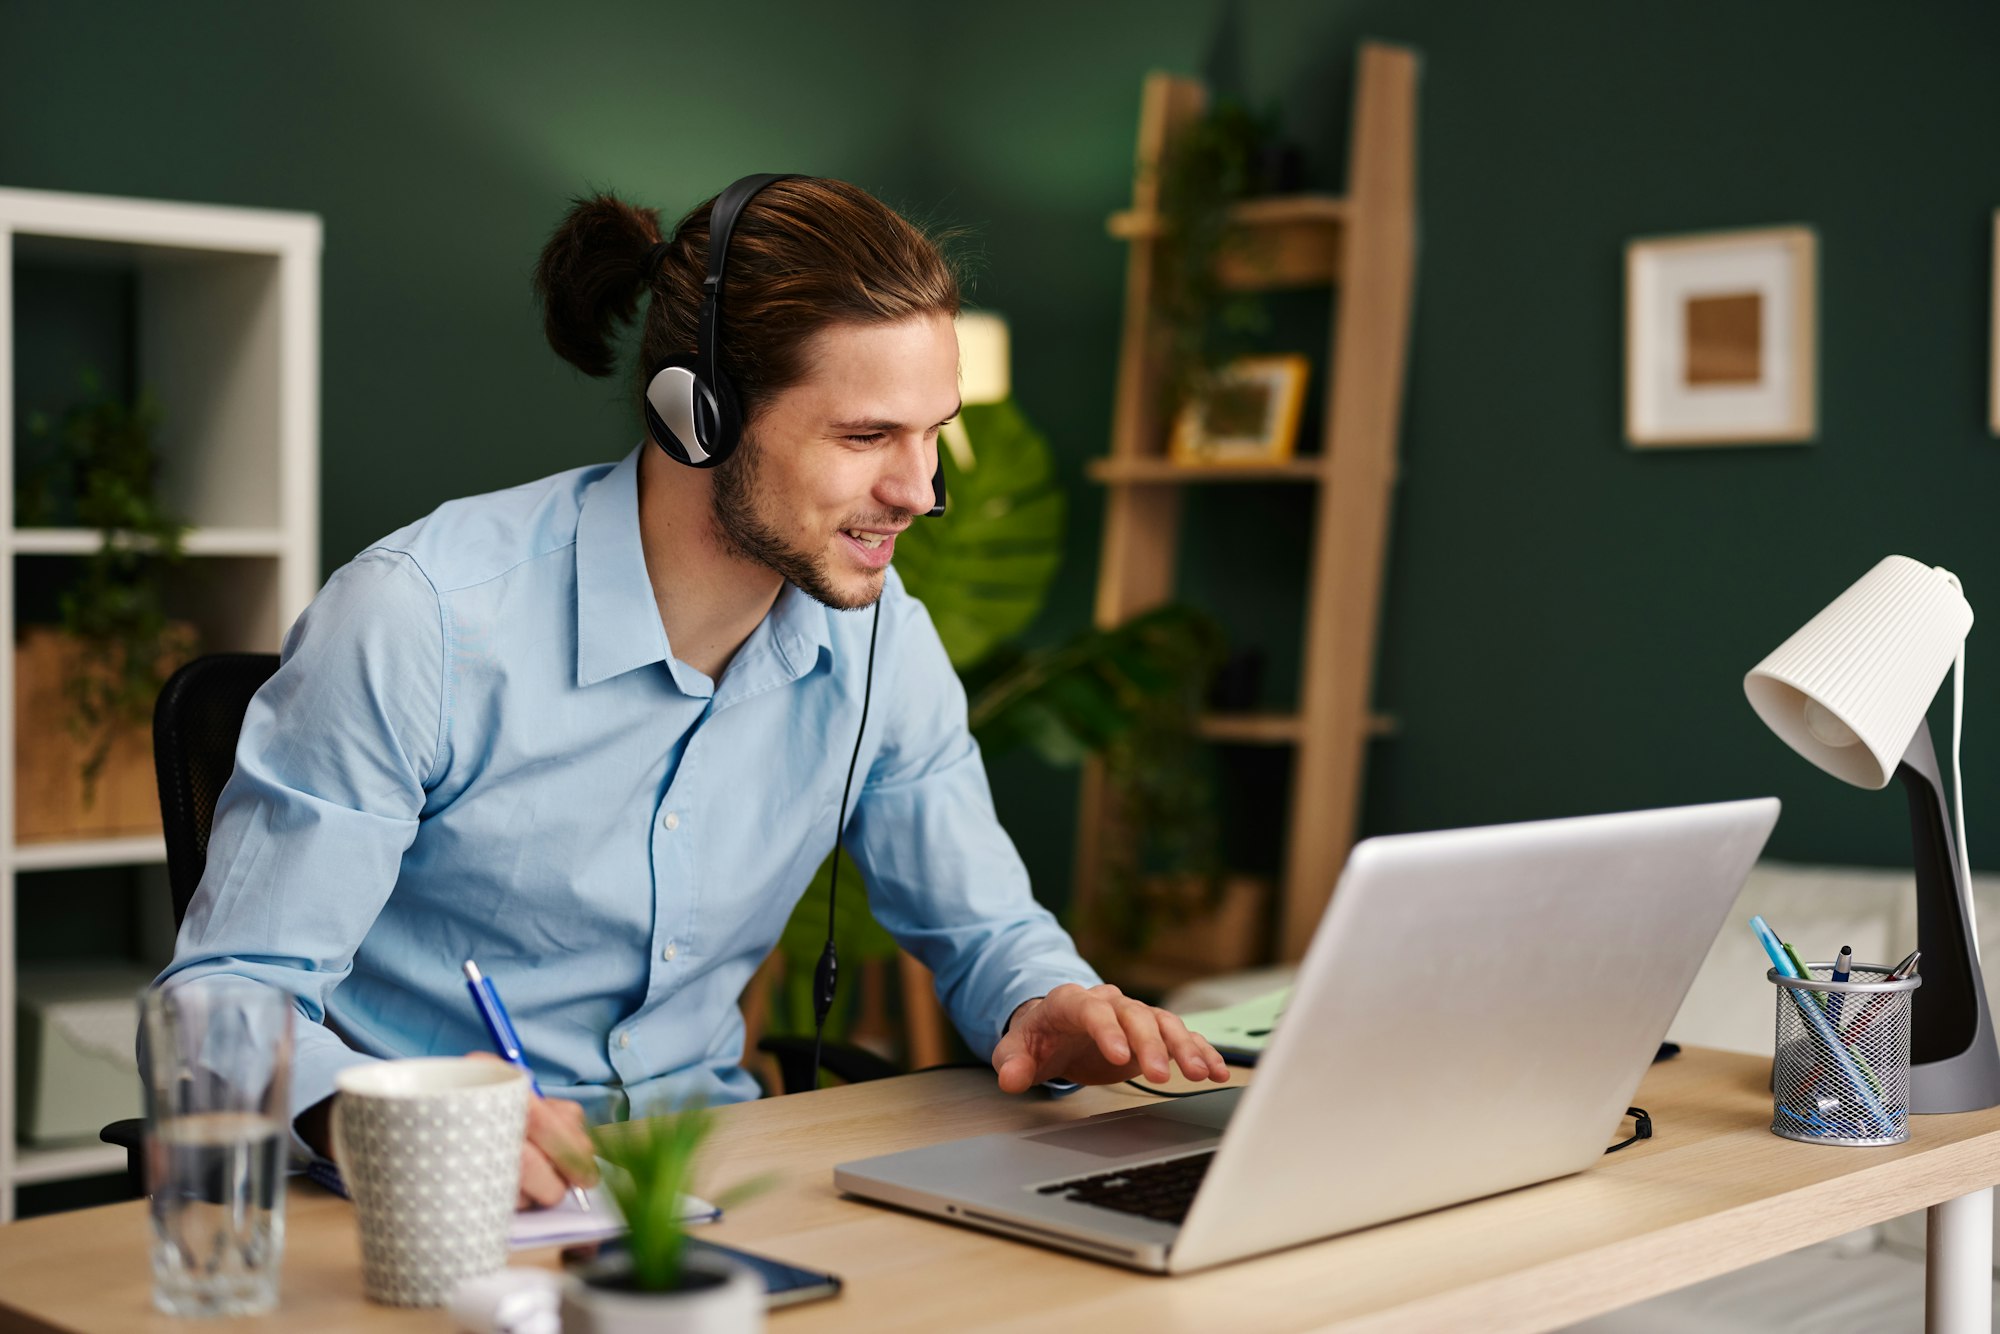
[871,438]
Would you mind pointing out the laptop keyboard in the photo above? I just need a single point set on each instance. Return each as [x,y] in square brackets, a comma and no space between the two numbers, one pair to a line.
[1161,1190]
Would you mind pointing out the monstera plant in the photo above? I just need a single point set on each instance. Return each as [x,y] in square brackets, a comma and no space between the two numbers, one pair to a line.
[983,573]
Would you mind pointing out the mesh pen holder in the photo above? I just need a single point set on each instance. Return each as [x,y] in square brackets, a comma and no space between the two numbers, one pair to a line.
[1842,1074]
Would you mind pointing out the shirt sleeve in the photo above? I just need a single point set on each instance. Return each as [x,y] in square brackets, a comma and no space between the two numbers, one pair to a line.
[309,832]
[943,877]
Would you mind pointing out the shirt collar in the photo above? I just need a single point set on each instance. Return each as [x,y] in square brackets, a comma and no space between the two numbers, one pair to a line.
[617,620]
[799,629]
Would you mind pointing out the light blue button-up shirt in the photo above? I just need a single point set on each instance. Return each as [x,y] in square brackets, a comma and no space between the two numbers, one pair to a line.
[479,745]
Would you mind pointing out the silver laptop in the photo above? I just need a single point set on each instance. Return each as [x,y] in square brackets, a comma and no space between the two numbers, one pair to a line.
[1474,1014]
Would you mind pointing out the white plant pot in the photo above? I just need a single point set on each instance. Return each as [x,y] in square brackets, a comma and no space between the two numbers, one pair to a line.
[731,1303]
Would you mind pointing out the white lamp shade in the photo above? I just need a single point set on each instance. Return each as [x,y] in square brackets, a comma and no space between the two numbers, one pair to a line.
[1849,689]
[984,374]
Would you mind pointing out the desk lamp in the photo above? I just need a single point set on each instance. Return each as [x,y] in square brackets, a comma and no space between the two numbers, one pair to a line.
[985,375]
[1849,692]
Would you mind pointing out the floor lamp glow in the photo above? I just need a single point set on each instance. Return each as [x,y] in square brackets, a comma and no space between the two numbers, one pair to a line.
[1849,692]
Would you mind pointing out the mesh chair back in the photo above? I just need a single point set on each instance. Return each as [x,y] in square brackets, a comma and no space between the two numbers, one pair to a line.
[195,724]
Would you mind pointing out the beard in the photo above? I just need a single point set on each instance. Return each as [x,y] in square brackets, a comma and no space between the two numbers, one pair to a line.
[747,534]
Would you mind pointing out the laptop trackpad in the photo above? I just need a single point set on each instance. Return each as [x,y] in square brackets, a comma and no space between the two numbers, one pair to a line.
[1124,1136]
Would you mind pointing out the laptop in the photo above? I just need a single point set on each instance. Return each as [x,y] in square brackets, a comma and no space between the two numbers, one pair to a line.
[1474,1014]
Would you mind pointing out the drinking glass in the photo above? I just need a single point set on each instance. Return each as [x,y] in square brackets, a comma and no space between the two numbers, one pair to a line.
[217,1058]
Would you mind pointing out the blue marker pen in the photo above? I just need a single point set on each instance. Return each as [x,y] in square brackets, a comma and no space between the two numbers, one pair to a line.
[506,1042]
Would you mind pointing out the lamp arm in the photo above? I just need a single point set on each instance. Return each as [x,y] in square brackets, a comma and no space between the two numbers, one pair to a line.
[1958,795]
[1952,1049]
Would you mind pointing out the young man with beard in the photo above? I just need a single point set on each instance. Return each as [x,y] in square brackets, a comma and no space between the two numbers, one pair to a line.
[594,732]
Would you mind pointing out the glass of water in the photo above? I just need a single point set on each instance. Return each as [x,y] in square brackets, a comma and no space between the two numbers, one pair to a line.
[218,1062]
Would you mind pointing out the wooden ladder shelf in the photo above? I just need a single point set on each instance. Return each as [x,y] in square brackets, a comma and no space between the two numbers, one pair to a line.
[1364,243]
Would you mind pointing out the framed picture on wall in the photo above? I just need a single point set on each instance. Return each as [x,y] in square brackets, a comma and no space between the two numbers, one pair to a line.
[1250,414]
[1721,338]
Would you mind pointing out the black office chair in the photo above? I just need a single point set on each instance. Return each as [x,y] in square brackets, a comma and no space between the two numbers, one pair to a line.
[196,722]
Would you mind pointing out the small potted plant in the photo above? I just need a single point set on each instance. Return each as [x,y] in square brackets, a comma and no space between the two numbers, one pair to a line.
[1226,155]
[115,646]
[655,1284]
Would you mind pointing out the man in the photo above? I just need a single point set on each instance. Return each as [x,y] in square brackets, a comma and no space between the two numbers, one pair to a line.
[594,732]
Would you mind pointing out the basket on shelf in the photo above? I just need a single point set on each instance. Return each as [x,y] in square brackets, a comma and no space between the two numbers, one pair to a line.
[51,803]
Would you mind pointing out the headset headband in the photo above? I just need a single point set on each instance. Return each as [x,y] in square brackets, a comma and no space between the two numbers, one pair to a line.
[721,222]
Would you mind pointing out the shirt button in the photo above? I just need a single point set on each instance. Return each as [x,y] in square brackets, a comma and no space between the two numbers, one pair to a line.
[670,951]
[624,1040]
[670,821]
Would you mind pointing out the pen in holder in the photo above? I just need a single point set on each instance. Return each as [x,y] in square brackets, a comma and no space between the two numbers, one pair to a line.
[1842,1074]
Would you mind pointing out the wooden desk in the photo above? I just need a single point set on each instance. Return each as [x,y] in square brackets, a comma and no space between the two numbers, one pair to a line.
[1712,1191]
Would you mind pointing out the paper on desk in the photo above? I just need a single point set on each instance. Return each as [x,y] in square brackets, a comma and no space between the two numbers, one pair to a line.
[569,1222]
[560,1225]
[1242,1029]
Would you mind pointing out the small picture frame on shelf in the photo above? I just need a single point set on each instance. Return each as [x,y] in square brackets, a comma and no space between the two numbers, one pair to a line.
[1721,338]
[1249,415]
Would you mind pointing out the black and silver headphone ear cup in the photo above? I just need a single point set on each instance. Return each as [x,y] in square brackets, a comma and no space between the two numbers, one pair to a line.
[681,414]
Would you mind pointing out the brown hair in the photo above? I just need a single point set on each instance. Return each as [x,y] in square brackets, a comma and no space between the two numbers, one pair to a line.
[806,253]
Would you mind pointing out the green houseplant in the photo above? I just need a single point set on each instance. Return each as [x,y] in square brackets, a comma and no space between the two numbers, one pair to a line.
[1218,160]
[656,1284]
[85,685]
[101,465]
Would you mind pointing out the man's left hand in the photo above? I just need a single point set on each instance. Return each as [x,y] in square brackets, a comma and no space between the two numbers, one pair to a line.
[1099,1035]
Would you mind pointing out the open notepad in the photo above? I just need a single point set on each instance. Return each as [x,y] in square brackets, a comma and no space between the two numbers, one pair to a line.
[568,1223]
[564,1224]
[1240,1031]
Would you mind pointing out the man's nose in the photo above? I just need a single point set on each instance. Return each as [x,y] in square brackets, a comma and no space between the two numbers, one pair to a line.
[907,484]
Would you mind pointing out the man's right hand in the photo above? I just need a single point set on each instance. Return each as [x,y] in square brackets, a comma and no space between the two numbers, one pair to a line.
[556,1154]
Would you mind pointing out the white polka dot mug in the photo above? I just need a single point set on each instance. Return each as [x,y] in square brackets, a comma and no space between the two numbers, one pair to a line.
[431,1152]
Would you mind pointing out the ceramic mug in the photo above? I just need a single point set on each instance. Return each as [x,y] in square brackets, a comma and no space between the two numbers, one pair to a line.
[431,1152]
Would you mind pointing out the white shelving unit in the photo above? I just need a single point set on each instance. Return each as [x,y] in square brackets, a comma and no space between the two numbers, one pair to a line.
[225,332]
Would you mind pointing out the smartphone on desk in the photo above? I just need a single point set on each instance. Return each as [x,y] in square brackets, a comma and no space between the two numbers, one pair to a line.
[784,1284]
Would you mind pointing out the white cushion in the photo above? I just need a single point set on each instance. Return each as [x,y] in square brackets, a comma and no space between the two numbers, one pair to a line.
[1816,908]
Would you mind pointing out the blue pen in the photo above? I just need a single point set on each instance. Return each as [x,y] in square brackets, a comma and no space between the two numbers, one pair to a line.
[1816,1018]
[506,1041]
[1817,1122]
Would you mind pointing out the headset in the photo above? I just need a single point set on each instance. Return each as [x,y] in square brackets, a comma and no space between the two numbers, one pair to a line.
[693,413]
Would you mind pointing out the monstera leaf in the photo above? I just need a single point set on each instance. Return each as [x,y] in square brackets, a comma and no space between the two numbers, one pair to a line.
[983,570]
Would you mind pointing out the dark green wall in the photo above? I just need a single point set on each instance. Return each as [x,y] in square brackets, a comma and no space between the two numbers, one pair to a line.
[1567,621]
